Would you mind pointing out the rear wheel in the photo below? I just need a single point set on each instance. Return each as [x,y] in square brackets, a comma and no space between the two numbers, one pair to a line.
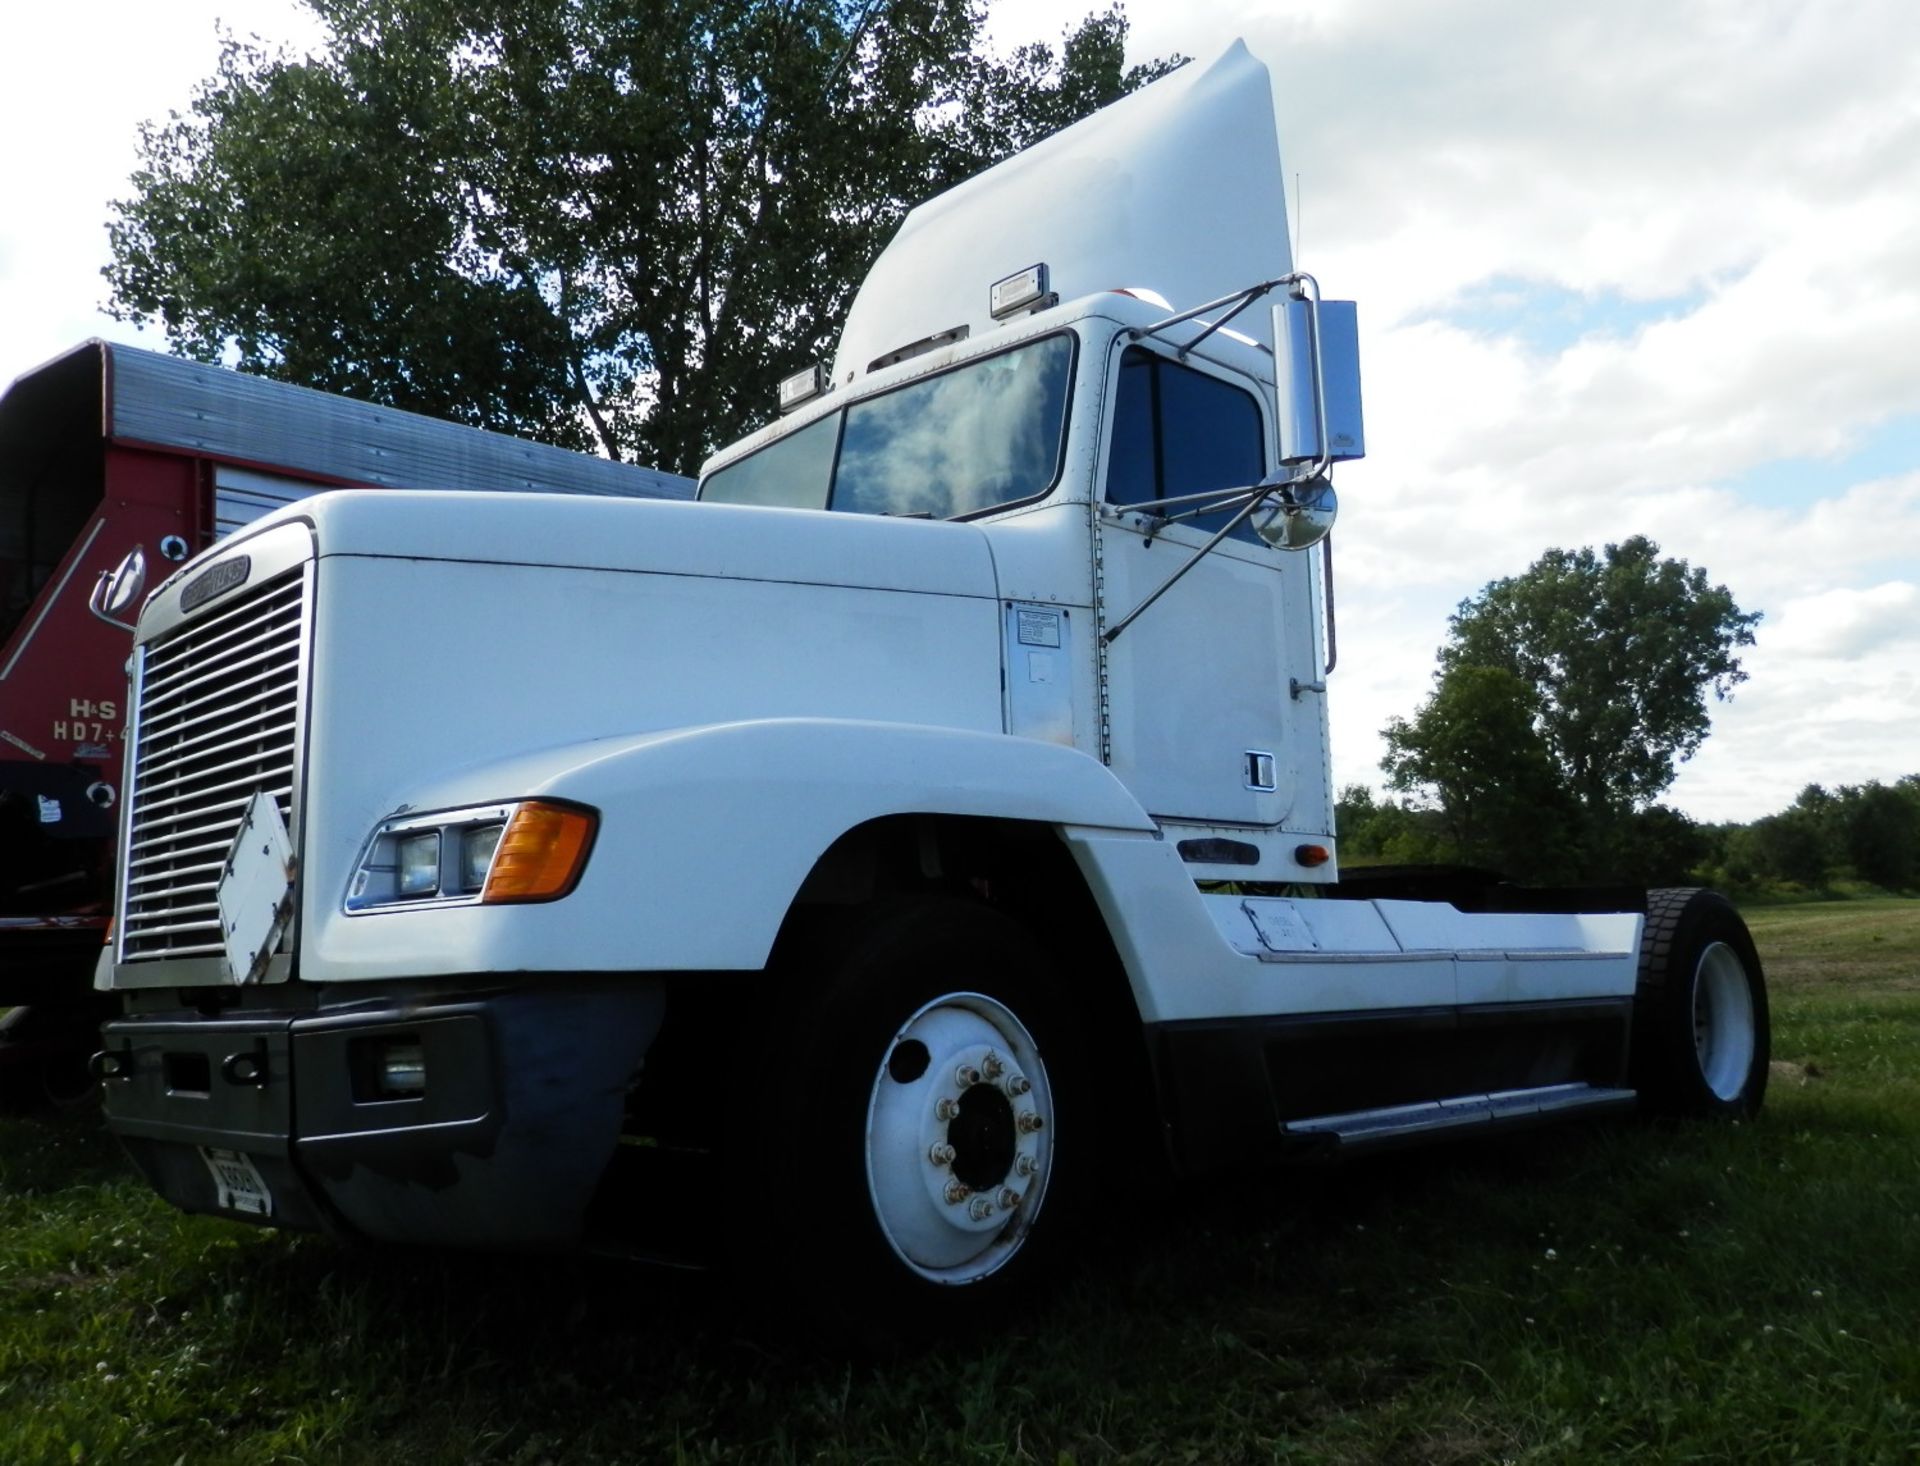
[1701,1035]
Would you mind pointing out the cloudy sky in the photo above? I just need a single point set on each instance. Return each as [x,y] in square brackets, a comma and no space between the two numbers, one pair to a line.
[1649,267]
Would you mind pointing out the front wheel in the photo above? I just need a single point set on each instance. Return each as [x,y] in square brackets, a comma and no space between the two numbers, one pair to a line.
[959,1138]
[928,1069]
[1701,1032]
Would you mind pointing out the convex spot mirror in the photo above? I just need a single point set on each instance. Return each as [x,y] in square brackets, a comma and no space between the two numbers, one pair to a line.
[119,590]
[126,582]
[1300,517]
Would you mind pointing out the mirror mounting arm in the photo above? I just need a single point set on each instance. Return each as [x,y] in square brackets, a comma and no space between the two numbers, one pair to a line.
[1312,478]
[1305,287]
[1239,300]
[1254,501]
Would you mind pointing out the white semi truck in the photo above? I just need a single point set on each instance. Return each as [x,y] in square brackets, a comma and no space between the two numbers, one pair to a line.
[922,840]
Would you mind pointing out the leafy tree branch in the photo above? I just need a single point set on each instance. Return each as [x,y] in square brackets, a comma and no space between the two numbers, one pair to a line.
[604,223]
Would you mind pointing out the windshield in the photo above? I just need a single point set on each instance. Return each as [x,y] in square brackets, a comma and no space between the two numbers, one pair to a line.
[982,435]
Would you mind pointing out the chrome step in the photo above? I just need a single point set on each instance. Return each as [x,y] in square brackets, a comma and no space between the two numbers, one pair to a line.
[1396,1124]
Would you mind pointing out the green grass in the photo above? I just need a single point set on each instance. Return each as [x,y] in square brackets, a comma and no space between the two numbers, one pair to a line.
[1692,1293]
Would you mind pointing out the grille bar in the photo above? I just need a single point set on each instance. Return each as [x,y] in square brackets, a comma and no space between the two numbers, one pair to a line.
[216,685]
[179,909]
[214,628]
[194,792]
[217,718]
[222,695]
[246,764]
[214,832]
[210,847]
[205,868]
[212,738]
[222,637]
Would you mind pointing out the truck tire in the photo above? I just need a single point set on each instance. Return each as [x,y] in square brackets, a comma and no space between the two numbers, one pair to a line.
[1700,1025]
[920,1145]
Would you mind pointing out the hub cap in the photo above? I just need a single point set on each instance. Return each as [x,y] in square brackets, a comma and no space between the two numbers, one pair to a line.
[1723,1036]
[959,1138]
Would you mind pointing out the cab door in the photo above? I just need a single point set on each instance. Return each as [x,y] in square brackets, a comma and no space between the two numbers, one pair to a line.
[1197,695]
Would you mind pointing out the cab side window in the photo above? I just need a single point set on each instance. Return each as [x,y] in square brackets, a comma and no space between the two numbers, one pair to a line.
[1179,431]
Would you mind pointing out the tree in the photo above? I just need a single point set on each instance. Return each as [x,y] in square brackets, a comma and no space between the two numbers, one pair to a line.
[1880,825]
[1619,653]
[1562,700]
[1655,846]
[599,222]
[1383,832]
[1800,844]
[1474,747]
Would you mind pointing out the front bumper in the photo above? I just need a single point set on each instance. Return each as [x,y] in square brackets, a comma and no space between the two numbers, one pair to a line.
[521,1111]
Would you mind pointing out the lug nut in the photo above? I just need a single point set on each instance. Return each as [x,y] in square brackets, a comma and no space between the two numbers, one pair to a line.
[980,1208]
[992,1066]
[966,1076]
[1019,1084]
[946,1109]
[1030,1122]
[1026,1165]
[1009,1198]
[941,1154]
[957,1192]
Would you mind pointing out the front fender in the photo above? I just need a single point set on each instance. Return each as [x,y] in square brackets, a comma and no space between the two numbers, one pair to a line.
[705,837]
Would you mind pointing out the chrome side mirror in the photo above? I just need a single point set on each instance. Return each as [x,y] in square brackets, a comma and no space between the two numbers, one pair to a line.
[119,590]
[1317,380]
[1299,517]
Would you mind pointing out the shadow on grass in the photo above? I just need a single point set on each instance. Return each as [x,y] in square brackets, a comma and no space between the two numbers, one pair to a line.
[50,1151]
[1207,1323]
[1191,1247]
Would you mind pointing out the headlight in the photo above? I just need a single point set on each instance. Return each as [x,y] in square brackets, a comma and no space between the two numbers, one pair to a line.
[476,854]
[419,864]
[533,850]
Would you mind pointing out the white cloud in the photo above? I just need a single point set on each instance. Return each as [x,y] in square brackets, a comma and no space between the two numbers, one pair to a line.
[71,122]
[1761,164]
[1846,624]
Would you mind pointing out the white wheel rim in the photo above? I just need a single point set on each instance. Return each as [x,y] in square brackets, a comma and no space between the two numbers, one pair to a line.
[1723,1029]
[937,1138]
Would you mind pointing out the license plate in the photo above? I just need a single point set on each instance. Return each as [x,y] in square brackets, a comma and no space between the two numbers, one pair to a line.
[241,1186]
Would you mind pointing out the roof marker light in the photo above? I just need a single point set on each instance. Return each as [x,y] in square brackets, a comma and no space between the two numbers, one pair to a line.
[1027,290]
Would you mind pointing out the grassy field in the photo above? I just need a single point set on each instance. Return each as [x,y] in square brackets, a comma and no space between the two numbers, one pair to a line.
[1733,1294]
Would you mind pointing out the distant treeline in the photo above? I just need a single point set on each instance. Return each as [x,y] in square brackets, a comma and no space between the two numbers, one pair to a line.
[1857,835]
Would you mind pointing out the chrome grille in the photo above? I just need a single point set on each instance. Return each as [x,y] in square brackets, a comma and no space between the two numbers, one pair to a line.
[218,717]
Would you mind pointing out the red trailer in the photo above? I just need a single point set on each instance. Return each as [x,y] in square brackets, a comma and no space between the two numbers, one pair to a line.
[107,448]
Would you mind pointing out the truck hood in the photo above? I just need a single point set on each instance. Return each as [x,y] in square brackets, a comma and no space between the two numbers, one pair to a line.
[794,546]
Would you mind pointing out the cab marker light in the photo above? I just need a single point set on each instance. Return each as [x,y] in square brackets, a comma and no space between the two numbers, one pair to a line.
[1026,290]
[803,386]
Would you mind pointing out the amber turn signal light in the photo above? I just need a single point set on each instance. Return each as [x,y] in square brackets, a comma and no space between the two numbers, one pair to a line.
[1312,855]
[541,854]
